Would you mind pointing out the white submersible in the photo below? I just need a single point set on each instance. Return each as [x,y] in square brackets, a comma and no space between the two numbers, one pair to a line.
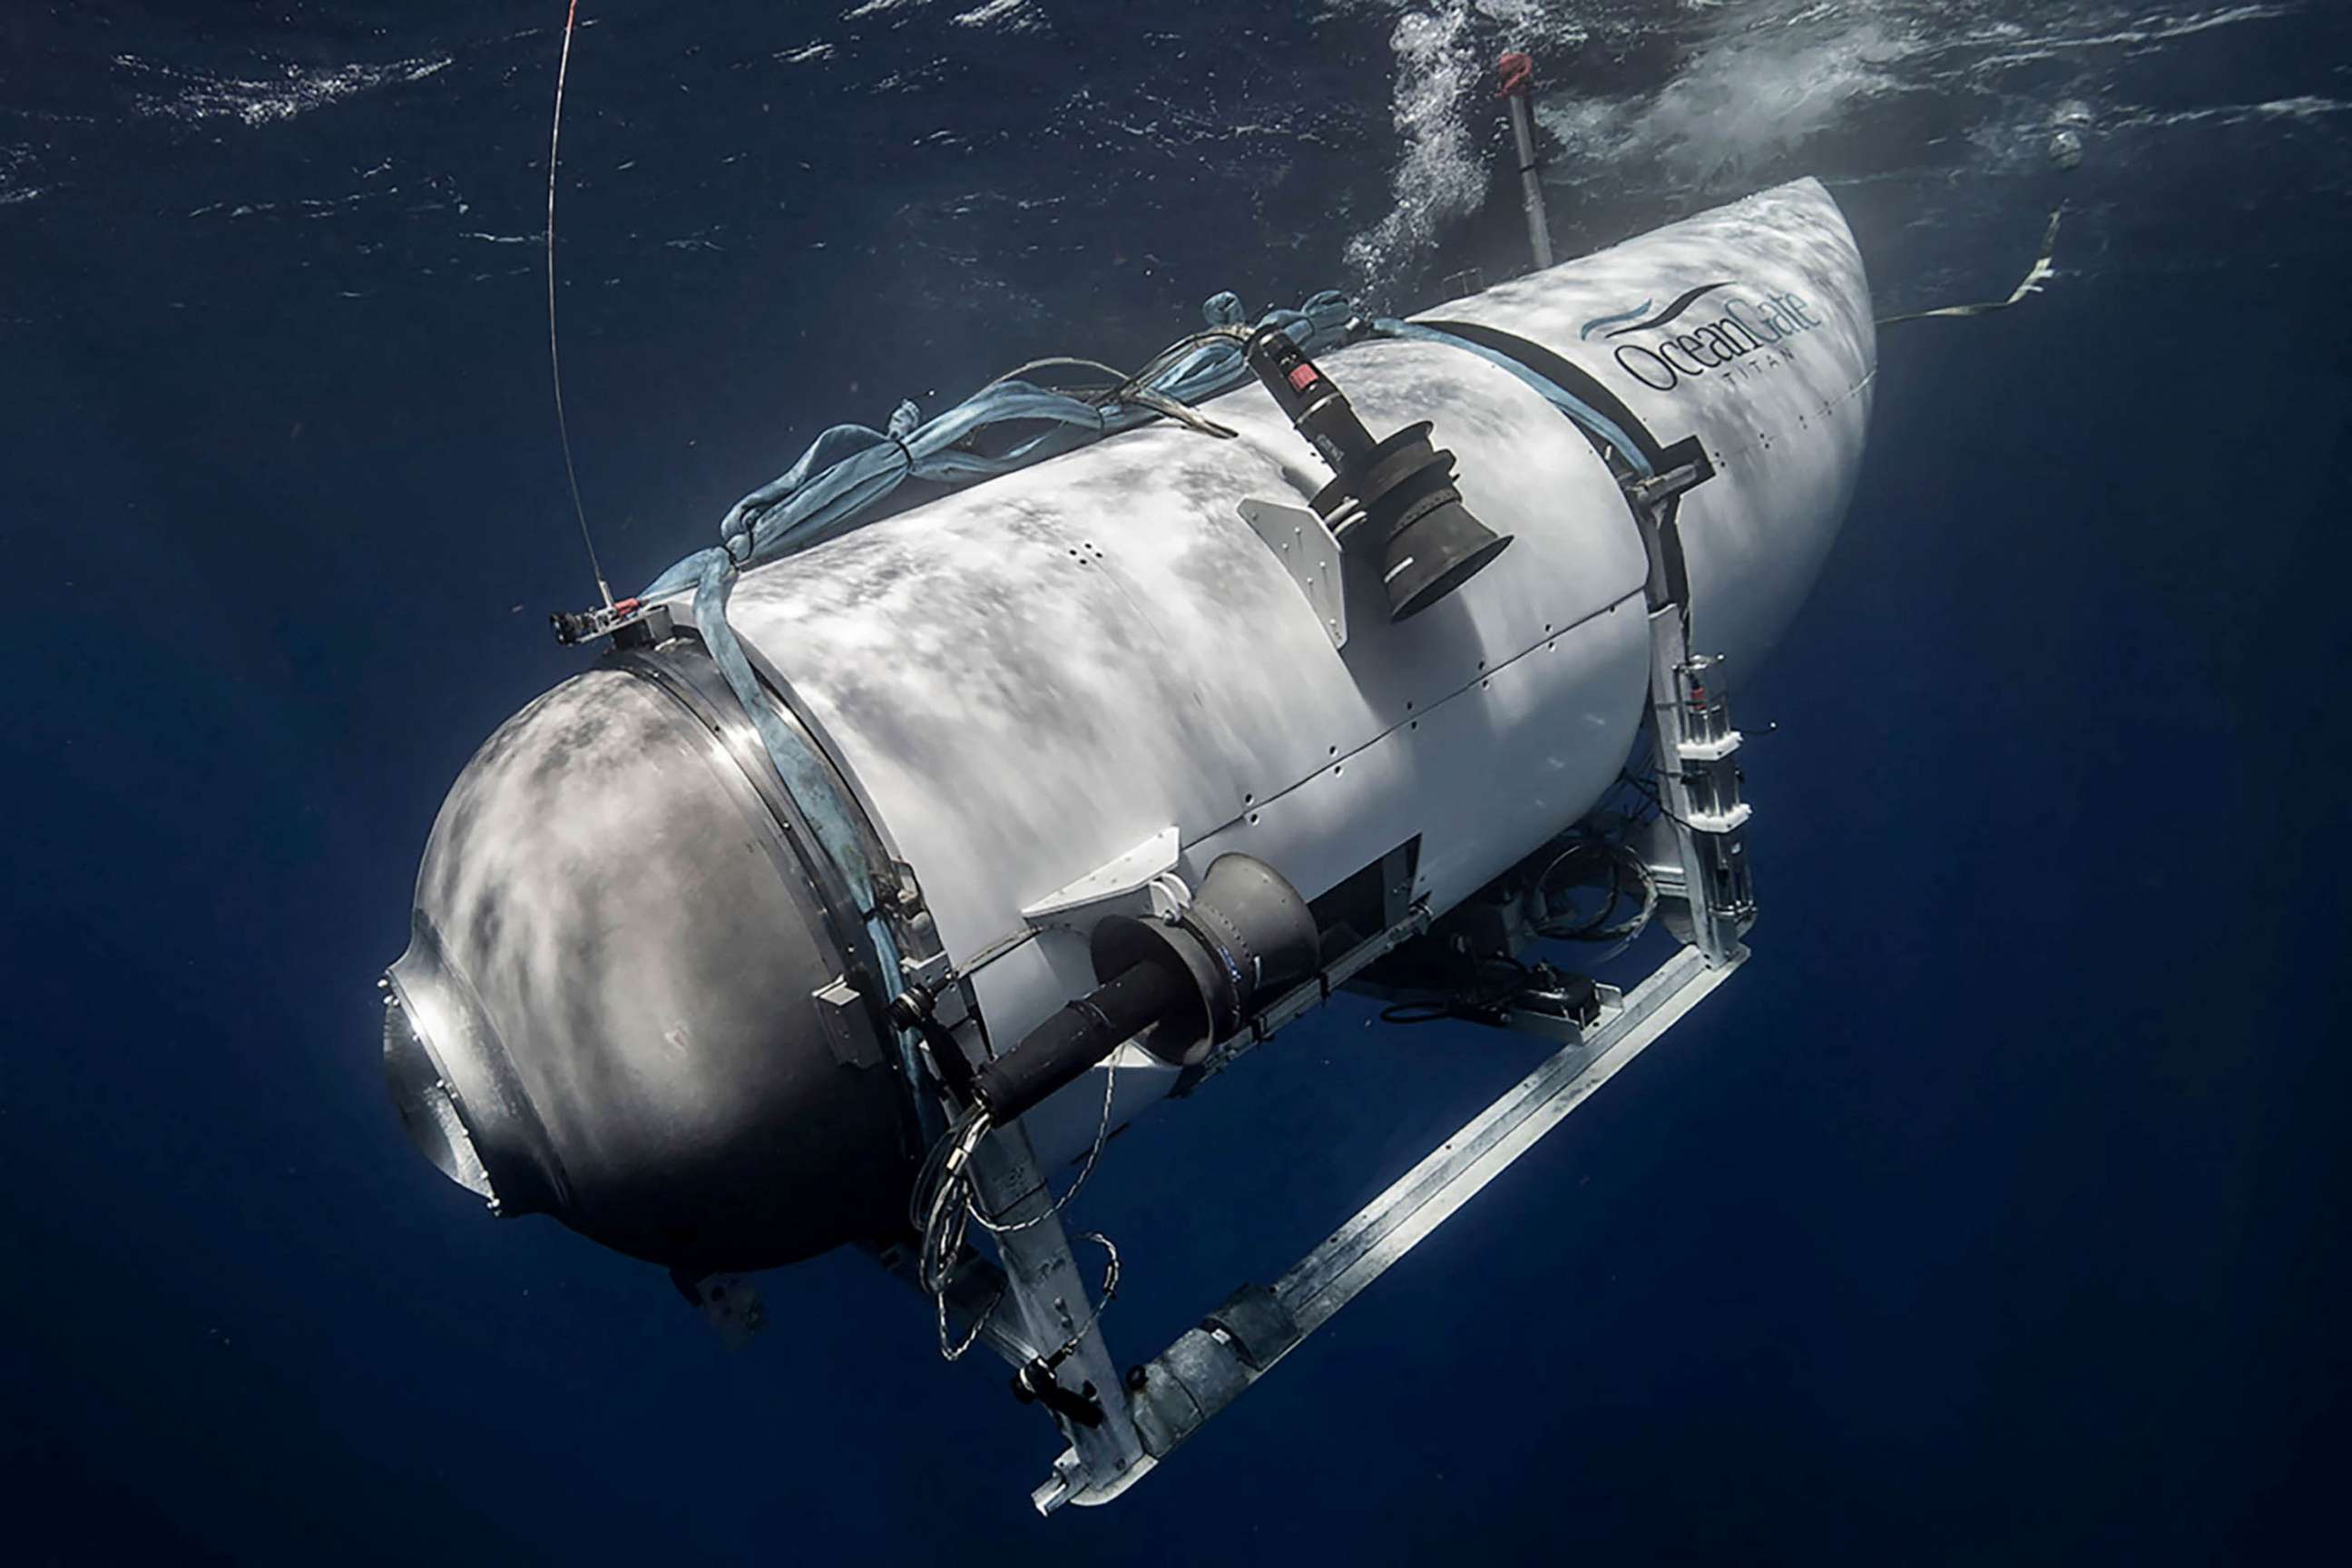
[1115,763]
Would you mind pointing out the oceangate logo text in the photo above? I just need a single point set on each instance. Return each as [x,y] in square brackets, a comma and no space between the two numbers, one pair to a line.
[1742,340]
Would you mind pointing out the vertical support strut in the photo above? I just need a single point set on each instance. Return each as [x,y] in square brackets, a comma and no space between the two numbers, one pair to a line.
[1056,1303]
[1698,786]
[1518,73]
[1702,818]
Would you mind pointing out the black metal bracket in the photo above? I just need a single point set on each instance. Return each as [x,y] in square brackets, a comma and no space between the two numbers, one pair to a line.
[631,623]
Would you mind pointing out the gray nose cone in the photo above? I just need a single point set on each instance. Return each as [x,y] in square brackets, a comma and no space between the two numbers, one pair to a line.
[608,1009]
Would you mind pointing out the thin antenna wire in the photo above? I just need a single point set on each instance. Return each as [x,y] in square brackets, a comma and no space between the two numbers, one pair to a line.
[2040,273]
[555,361]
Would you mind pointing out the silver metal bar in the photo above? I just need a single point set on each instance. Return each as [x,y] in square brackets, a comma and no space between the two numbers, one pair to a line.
[1523,130]
[1668,650]
[1054,1301]
[1422,1199]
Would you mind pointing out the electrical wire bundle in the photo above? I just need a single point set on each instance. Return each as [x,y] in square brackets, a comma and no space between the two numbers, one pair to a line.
[1478,997]
[1628,877]
[1492,982]
[943,1206]
[849,470]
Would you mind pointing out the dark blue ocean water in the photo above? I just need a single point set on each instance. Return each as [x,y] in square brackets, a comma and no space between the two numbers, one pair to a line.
[1994,1213]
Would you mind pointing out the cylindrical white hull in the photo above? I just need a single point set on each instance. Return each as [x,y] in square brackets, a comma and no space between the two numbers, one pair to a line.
[1024,680]
[641,997]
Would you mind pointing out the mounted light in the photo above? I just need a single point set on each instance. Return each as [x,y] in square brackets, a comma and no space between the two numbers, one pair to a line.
[1401,489]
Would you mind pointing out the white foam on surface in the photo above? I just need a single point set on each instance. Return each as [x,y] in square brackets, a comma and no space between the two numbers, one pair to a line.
[1756,90]
[295,89]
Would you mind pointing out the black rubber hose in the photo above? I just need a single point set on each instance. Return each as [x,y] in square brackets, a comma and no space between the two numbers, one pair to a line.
[1058,1051]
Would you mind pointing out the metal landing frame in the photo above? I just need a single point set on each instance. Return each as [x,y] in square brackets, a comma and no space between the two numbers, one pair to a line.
[1697,861]
[1208,1367]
